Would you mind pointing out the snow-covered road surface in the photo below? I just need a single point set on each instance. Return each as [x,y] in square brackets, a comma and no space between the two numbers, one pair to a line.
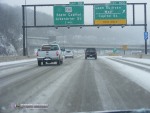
[79,85]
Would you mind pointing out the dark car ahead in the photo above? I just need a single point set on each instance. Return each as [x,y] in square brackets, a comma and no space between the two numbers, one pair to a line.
[90,52]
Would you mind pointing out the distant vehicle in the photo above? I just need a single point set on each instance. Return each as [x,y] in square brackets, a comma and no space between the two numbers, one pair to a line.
[68,54]
[90,52]
[49,53]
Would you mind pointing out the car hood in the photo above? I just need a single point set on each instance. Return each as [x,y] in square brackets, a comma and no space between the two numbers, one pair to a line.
[120,111]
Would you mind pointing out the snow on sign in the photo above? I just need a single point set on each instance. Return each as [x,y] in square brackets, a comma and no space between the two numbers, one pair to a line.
[72,14]
[114,12]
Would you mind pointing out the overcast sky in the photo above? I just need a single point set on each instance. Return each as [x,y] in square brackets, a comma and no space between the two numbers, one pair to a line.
[88,11]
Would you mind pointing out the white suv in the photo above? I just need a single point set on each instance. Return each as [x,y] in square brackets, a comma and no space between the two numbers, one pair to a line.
[68,54]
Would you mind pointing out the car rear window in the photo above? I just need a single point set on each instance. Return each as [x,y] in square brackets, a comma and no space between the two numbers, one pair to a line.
[91,50]
[49,47]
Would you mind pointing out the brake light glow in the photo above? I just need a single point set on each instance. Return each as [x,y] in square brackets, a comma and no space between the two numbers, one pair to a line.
[37,53]
[57,53]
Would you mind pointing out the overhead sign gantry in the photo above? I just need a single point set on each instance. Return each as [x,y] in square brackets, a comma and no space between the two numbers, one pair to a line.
[72,15]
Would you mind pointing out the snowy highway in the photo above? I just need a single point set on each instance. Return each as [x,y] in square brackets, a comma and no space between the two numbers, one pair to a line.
[78,85]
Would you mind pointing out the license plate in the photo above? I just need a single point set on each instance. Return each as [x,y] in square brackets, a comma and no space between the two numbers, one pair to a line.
[47,59]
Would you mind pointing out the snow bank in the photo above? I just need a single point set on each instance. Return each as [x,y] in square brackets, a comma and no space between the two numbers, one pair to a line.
[146,61]
[16,62]
[136,75]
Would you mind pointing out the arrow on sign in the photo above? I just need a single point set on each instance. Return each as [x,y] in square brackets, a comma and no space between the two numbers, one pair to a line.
[123,11]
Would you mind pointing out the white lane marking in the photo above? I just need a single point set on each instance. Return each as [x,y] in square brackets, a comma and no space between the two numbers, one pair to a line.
[107,101]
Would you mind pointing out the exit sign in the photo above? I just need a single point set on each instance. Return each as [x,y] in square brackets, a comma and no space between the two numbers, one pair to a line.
[112,13]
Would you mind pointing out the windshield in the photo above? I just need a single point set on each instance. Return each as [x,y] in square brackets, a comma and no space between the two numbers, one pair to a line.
[74,56]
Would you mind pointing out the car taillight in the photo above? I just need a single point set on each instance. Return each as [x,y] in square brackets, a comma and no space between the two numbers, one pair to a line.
[57,53]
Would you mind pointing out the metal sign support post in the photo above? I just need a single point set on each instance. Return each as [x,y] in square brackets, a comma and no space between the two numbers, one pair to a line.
[145,29]
[23,27]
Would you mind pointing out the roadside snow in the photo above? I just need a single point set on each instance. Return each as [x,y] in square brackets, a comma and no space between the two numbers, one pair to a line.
[137,64]
[136,75]
[141,60]
[146,61]
[17,62]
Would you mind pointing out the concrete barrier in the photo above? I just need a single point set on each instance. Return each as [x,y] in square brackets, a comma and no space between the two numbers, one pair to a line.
[14,58]
[113,54]
[146,56]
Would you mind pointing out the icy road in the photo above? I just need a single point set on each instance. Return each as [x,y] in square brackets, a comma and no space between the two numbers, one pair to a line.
[79,85]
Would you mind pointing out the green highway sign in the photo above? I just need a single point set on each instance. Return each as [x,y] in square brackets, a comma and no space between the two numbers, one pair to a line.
[68,14]
[113,13]
[114,50]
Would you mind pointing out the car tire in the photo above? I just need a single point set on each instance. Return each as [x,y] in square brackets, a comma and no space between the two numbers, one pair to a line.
[44,62]
[58,62]
[39,63]
[61,61]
